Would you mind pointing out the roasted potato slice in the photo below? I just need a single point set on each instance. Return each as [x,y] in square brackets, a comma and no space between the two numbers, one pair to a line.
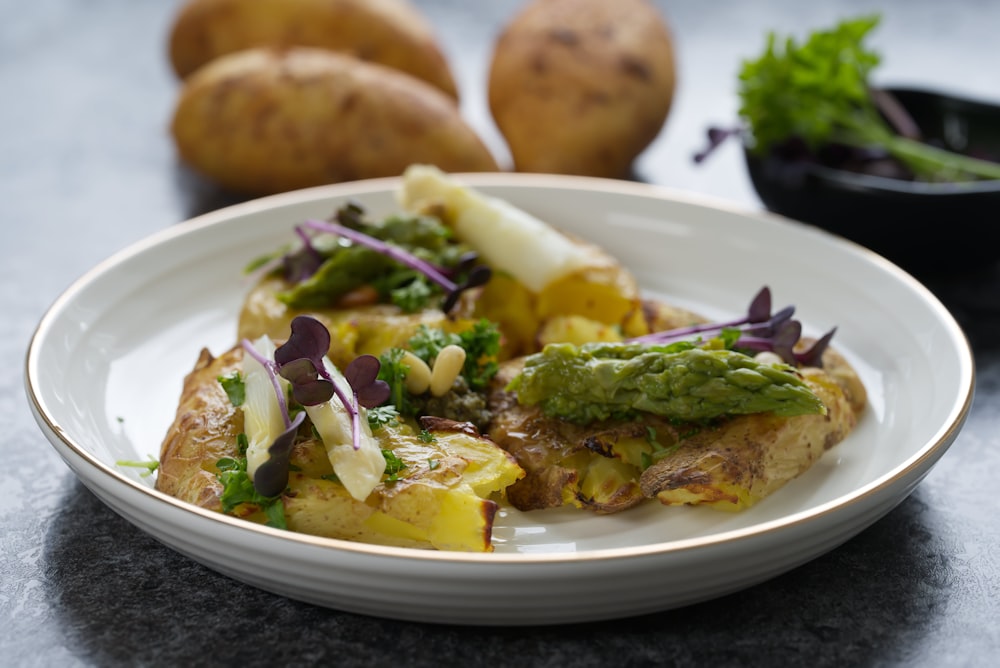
[732,465]
[728,464]
[592,466]
[203,432]
[440,498]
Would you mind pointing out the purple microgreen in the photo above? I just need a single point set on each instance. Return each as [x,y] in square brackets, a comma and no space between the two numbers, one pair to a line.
[389,250]
[271,477]
[350,214]
[477,276]
[300,361]
[759,311]
[362,374]
[760,306]
[308,387]
[716,137]
[759,330]
[303,263]
[309,339]
[781,342]
[785,338]
[466,262]
[771,325]
[813,355]
[306,346]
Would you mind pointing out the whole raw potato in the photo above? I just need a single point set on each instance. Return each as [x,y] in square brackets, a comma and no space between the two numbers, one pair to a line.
[582,86]
[264,120]
[388,32]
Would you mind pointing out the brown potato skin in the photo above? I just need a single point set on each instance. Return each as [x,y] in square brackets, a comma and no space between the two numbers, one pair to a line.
[389,32]
[187,465]
[262,121]
[582,86]
[744,459]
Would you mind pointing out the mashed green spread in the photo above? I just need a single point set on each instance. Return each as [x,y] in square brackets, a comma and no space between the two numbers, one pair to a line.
[597,381]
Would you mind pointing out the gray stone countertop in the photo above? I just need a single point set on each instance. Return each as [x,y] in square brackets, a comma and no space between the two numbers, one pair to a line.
[88,168]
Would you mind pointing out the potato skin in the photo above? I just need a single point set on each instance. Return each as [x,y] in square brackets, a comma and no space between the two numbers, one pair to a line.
[582,86]
[187,466]
[262,121]
[389,32]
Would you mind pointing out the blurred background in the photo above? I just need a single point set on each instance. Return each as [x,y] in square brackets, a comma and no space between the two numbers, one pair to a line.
[88,99]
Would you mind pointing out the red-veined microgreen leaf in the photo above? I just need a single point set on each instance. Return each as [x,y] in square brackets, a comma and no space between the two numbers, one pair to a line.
[362,375]
[271,477]
[309,339]
[308,387]
[304,262]
[759,330]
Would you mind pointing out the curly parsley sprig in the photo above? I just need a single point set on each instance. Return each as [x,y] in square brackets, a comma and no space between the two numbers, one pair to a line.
[819,92]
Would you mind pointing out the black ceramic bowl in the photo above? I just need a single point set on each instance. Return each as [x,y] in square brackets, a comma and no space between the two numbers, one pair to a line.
[923,227]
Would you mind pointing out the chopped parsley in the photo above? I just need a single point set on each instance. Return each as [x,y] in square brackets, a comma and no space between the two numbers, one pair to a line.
[151,465]
[237,489]
[393,372]
[382,415]
[234,387]
[393,465]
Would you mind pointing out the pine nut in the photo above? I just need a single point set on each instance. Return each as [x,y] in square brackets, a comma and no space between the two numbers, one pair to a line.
[418,379]
[447,366]
[768,357]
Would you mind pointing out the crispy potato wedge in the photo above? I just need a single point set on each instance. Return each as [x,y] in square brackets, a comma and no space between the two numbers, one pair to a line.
[735,464]
[388,32]
[203,432]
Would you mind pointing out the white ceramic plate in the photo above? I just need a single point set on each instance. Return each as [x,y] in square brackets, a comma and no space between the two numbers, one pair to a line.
[104,371]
